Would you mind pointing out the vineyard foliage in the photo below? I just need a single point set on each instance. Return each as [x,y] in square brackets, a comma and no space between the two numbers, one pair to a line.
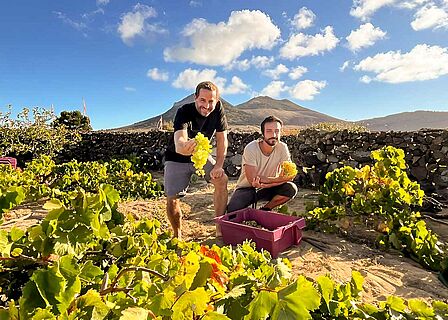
[385,191]
[85,260]
[30,134]
[43,178]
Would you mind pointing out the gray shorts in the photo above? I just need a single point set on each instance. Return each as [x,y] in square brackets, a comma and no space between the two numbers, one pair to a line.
[177,176]
[244,197]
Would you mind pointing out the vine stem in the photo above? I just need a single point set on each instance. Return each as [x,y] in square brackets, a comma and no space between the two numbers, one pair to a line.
[129,269]
[177,299]
[22,257]
[112,289]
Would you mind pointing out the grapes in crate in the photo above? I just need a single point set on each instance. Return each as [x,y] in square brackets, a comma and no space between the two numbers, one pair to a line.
[253,223]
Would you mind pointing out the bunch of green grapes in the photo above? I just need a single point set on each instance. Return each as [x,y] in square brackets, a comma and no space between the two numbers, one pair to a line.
[201,152]
[289,169]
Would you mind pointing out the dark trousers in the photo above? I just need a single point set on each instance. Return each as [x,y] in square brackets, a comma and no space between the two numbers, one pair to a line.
[244,197]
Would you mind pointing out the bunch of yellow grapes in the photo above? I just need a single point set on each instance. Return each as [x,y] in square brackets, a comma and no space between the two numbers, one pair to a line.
[201,152]
[289,168]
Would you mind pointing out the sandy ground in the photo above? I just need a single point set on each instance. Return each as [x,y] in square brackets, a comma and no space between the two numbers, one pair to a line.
[386,273]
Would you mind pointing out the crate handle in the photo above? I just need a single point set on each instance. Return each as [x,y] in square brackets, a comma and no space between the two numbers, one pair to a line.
[232,216]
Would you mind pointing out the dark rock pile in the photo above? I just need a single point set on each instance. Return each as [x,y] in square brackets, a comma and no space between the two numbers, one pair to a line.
[315,152]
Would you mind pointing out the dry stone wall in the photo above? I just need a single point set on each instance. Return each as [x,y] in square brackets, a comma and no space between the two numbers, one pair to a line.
[315,152]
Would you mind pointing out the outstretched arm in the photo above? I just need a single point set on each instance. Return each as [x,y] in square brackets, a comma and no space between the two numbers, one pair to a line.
[184,146]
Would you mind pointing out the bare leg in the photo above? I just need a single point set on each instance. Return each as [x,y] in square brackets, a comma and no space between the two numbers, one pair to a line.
[174,214]
[276,201]
[220,197]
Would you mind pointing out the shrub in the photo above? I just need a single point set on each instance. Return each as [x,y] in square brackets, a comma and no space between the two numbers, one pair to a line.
[30,134]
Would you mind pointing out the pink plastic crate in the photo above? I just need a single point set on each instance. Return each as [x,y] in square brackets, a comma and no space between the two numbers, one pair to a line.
[284,231]
[9,160]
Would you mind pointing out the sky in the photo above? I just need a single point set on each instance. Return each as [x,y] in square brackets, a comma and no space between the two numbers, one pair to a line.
[131,60]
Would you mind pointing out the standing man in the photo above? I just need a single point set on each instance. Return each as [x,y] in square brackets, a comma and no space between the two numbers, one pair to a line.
[261,176]
[205,115]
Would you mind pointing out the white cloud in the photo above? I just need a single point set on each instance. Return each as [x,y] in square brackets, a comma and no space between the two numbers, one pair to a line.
[307,89]
[276,72]
[130,89]
[102,2]
[430,16]
[134,24]
[90,16]
[195,3]
[411,4]
[365,79]
[157,75]
[303,19]
[220,44]
[237,86]
[83,23]
[364,9]
[423,62]
[297,72]
[241,65]
[189,78]
[301,45]
[259,62]
[365,36]
[344,66]
[78,25]
[274,89]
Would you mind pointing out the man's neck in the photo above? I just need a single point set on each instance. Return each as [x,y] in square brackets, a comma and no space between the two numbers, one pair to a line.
[266,148]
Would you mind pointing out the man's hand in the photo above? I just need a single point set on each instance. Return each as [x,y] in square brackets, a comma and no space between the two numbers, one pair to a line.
[256,183]
[188,147]
[183,145]
[216,173]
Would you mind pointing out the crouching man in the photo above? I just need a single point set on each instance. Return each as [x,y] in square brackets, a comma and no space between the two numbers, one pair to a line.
[261,175]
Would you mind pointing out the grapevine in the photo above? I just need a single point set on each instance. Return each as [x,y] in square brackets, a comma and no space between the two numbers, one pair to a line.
[289,169]
[42,178]
[385,191]
[85,262]
[201,152]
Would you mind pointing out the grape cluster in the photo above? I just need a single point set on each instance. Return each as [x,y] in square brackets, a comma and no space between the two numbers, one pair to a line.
[201,152]
[253,223]
[289,169]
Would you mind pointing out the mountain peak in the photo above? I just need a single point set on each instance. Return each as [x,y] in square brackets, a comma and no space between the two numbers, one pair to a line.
[250,113]
[265,102]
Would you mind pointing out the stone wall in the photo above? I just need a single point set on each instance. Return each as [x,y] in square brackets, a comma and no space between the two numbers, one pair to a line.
[317,151]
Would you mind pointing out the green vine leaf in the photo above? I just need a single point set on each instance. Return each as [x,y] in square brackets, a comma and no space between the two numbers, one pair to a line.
[191,303]
[262,306]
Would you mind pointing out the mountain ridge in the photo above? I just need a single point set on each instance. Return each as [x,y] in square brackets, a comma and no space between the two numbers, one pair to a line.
[408,121]
[250,114]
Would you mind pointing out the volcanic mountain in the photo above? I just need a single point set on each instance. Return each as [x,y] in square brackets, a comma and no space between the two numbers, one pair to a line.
[250,113]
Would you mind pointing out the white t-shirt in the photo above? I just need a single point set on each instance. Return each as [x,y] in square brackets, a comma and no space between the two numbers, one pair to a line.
[267,166]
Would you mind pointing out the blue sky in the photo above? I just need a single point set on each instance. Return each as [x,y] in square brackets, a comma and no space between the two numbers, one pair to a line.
[130,60]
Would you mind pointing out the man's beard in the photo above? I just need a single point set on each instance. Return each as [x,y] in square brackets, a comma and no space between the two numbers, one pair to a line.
[271,141]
